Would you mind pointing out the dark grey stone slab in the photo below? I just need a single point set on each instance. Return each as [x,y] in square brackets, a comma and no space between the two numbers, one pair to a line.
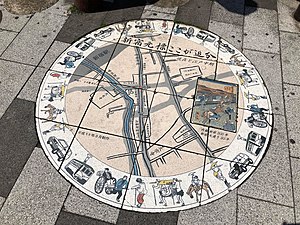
[121,15]
[219,212]
[267,4]
[252,211]
[195,12]
[66,218]
[77,25]
[228,11]
[37,196]
[292,104]
[17,140]
[271,181]
[130,218]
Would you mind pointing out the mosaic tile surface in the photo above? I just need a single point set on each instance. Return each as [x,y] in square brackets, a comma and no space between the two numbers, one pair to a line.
[154,116]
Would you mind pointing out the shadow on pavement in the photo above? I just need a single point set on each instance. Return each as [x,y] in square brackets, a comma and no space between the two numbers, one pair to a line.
[235,6]
[108,5]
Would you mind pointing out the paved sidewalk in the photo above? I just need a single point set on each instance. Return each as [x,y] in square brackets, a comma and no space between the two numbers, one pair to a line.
[33,192]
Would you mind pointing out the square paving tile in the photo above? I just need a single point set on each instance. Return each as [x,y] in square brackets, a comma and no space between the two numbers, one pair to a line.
[201,8]
[79,203]
[18,138]
[30,90]
[228,11]
[77,25]
[270,4]
[66,218]
[35,38]
[13,77]
[161,9]
[52,54]
[252,211]
[290,54]
[286,10]
[129,218]
[296,185]
[273,172]
[230,32]
[224,212]
[268,65]
[38,194]
[261,30]
[12,22]
[292,101]
[6,39]
[149,14]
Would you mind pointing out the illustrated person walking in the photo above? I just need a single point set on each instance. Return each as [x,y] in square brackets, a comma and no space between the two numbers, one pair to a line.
[120,185]
[141,189]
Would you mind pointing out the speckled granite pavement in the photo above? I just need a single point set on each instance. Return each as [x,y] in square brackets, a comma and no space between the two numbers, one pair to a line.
[33,192]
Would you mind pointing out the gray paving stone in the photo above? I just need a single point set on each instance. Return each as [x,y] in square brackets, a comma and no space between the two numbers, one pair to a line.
[12,22]
[161,9]
[60,8]
[38,194]
[296,184]
[270,4]
[121,15]
[149,14]
[290,55]
[261,30]
[79,203]
[52,54]
[13,77]
[6,38]
[292,103]
[17,140]
[222,211]
[230,32]
[268,65]
[252,211]
[66,218]
[286,10]
[77,25]
[271,181]
[228,11]
[199,16]
[30,90]
[130,218]
[2,200]
[35,38]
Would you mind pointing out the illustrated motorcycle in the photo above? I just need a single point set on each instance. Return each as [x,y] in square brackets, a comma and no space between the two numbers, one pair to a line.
[104,183]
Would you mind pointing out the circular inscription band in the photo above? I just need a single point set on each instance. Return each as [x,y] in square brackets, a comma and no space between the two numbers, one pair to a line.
[154,116]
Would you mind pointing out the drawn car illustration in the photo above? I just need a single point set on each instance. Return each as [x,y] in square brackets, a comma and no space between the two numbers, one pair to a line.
[59,147]
[255,143]
[85,44]
[80,171]
[104,33]
[239,165]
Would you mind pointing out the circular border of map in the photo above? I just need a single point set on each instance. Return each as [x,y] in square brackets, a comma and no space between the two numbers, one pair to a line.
[222,105]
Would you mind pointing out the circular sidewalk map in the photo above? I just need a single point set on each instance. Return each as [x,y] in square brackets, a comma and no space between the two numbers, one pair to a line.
[154,116]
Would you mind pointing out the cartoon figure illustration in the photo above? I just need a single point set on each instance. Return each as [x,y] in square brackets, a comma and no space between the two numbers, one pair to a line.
[119,186]
[253,97]
[217,172]
[246,79]
[177,191]
[256,109]
[71,58]
[52,111]
[237,60]
[140,190]
[104,33]
[197,185]
[55,127]
[164,26]
[105,180]
[166,188]
[57,92]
